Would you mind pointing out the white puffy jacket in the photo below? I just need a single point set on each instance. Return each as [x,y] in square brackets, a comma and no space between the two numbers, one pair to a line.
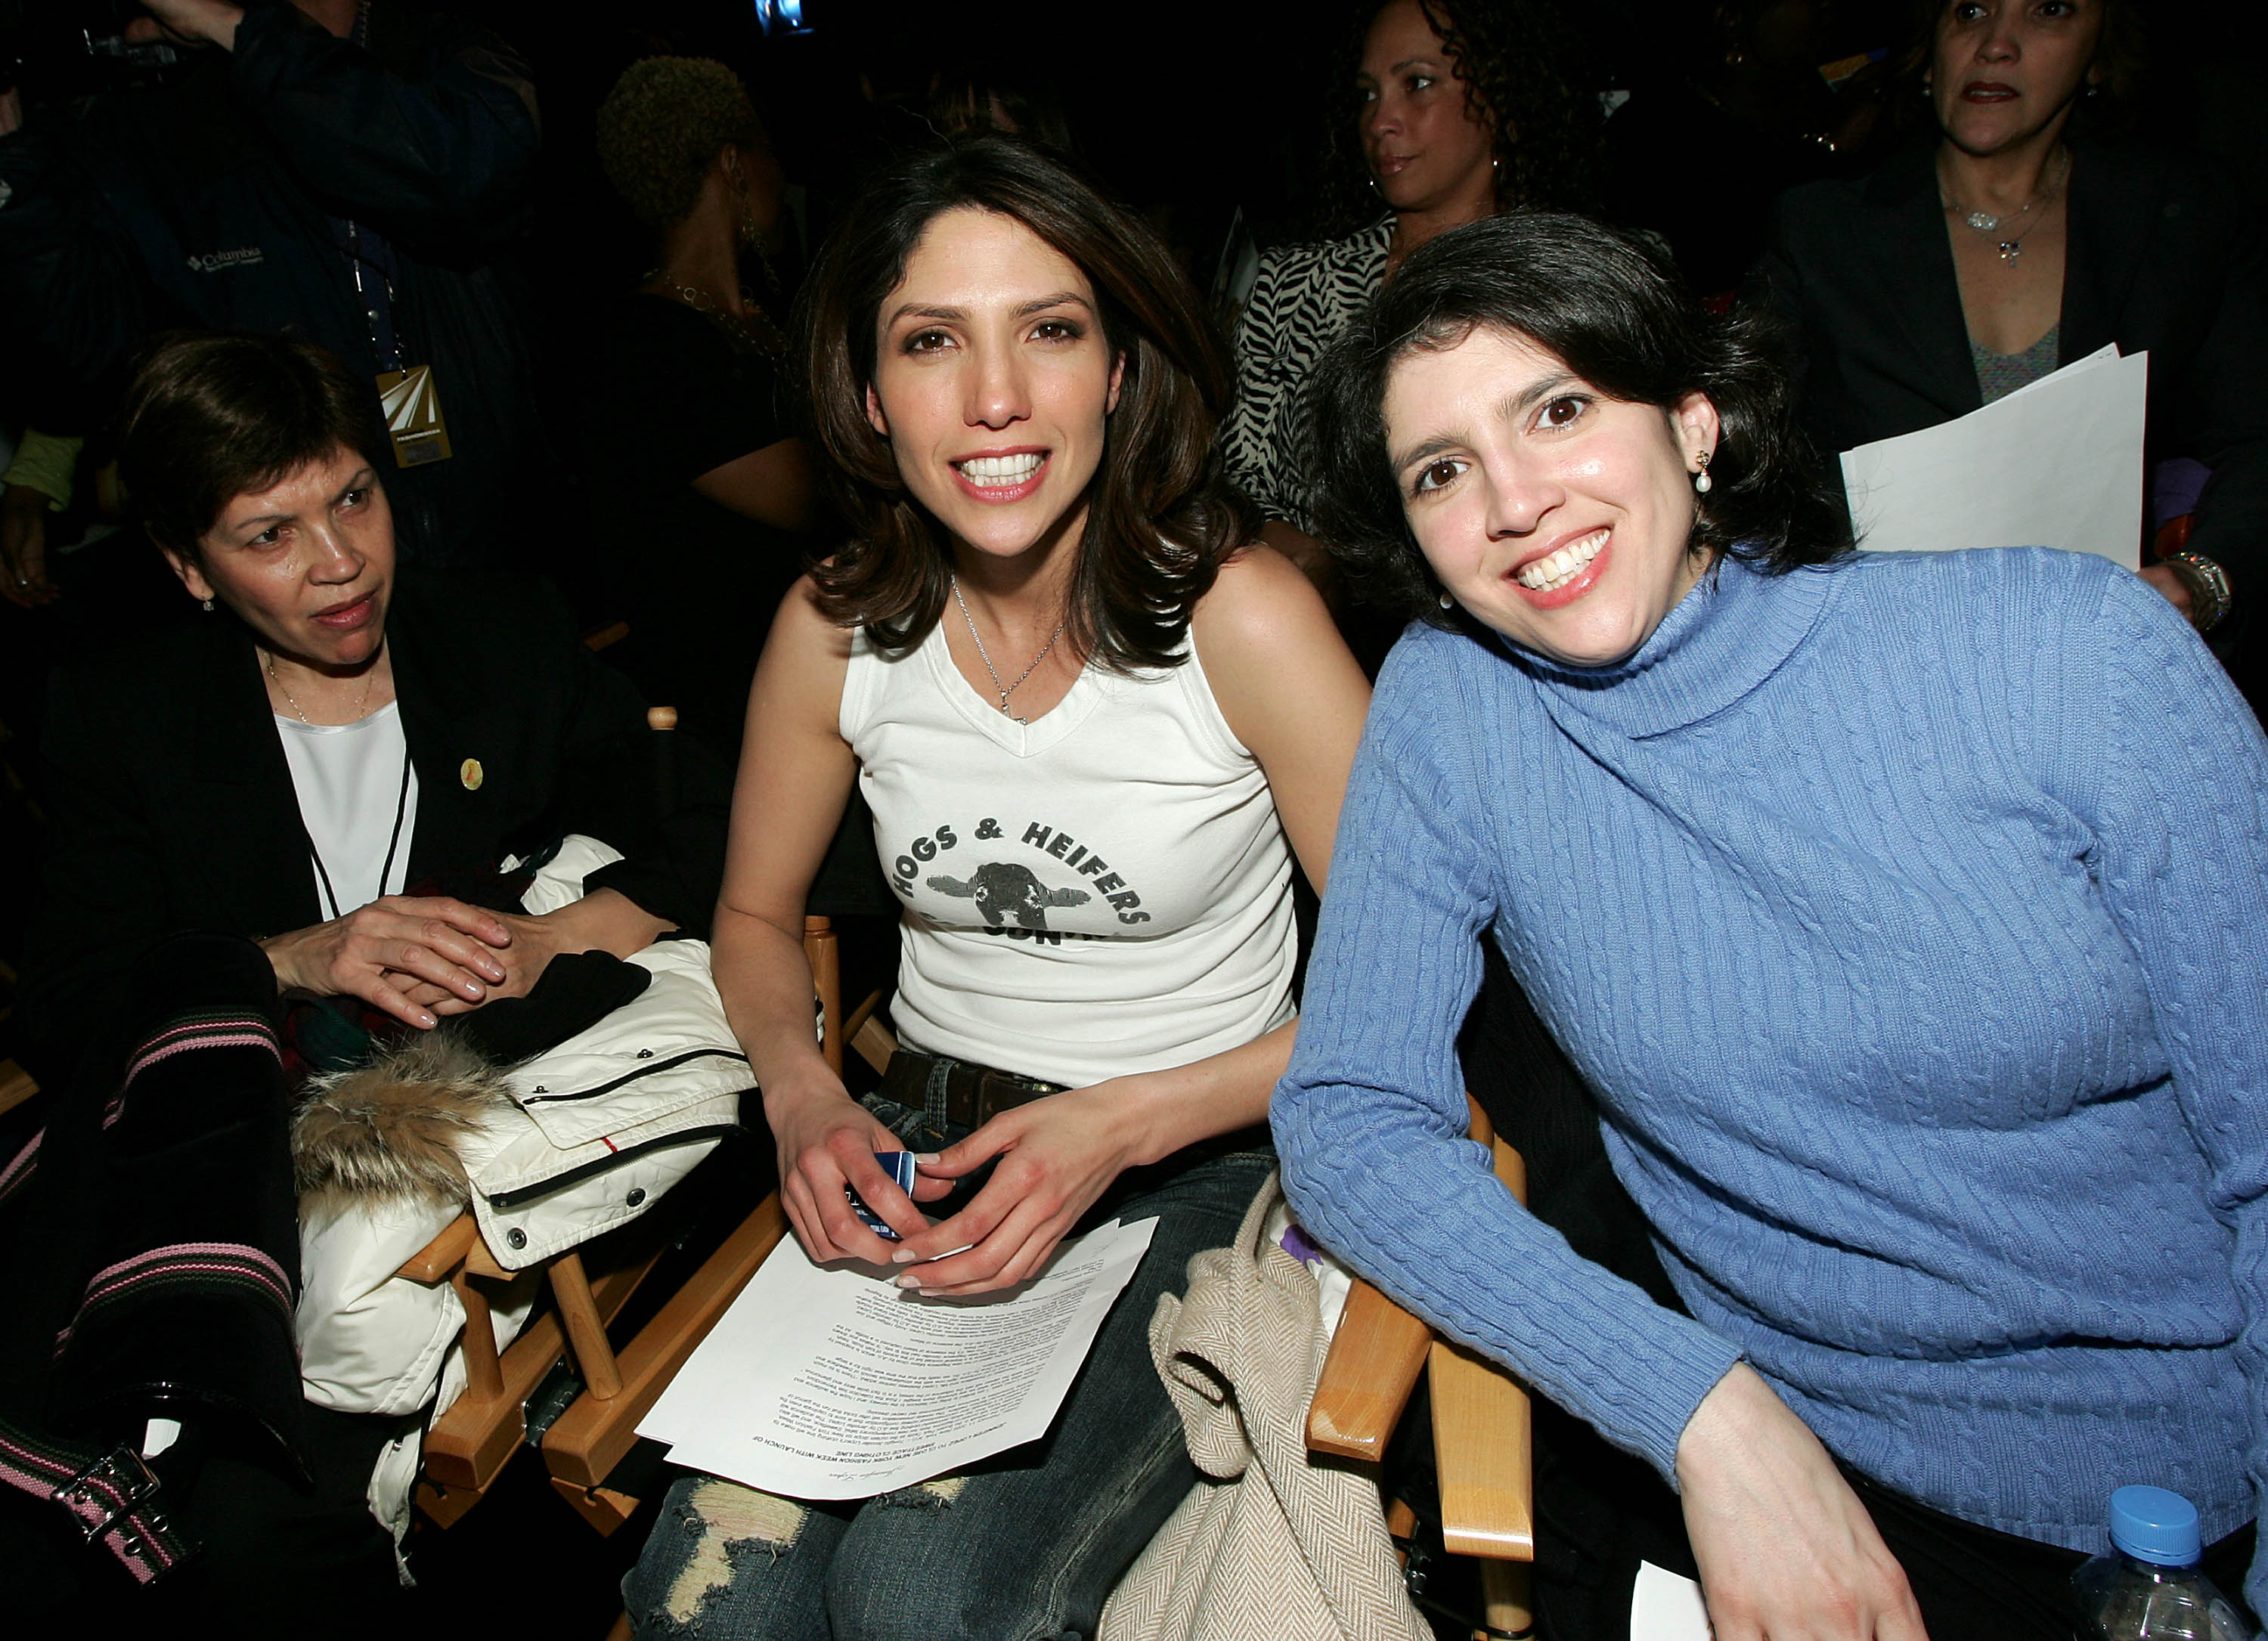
[600,1127]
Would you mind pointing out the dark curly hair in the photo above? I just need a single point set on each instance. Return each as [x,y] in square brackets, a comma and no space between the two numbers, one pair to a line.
[1161,519]
[664,121]
[1523,68]
[1603,302]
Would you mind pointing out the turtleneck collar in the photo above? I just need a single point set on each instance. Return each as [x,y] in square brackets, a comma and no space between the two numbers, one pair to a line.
[1730,633]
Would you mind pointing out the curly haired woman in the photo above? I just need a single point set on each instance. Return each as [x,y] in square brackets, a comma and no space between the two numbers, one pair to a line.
[1444,114]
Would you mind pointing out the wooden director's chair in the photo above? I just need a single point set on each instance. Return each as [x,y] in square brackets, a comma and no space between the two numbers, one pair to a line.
[1481,1427]
[468,1445]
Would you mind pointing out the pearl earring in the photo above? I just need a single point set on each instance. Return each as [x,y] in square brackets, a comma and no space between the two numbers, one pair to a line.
[1448,603]
[1701,484]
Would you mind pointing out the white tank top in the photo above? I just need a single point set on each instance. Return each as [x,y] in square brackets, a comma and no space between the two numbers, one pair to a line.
[1104,891]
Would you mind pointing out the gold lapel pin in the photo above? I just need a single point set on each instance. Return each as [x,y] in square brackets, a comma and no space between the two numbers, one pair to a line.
[469,772]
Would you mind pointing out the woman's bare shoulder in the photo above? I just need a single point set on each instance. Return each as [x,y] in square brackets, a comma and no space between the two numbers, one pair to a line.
[1259,600]
[801,629]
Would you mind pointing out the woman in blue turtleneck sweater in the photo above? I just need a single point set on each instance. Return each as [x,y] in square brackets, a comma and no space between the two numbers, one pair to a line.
[1907,913]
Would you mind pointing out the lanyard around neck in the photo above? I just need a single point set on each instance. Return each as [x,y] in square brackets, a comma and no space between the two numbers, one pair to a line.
[393,843]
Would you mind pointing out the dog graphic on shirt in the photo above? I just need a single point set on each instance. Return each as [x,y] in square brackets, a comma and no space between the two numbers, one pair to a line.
[1004,889]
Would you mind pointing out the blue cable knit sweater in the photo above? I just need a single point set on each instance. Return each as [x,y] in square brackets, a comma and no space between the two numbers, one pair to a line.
[1910,918]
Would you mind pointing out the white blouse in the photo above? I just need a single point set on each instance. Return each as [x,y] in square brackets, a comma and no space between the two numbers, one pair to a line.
[357,796]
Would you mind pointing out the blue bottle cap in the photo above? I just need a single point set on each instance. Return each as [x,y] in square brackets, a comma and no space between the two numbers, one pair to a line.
[2153,1524]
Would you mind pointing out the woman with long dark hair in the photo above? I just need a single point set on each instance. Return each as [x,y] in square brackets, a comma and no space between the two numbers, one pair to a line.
[1904,910]
[1093,726]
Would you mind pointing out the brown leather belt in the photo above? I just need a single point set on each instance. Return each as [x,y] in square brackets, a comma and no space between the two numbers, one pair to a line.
[974,1094]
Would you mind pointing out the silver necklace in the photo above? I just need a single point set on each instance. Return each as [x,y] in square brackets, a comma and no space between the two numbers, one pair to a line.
[985,656]
[1986,221]
[368,677]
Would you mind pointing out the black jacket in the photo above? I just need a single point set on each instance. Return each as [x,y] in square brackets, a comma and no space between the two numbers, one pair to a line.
[2161,256]
[172,808]
[217,202]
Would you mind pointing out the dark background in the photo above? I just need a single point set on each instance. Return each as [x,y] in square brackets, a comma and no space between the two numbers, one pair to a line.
[1207,106]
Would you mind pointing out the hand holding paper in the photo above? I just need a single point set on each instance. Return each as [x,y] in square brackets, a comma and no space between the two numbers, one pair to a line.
[826,1383]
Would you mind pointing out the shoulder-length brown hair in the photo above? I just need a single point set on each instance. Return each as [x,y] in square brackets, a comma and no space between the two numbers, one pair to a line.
[1160,518]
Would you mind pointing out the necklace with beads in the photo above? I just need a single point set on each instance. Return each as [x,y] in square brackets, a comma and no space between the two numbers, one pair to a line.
[753,332]
[985,656]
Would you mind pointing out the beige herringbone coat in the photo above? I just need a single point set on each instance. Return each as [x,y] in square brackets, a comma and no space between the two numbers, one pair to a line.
[1267,1544]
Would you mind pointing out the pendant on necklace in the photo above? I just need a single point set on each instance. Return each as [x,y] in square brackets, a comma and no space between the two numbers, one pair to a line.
[1983,221]
[2010,250]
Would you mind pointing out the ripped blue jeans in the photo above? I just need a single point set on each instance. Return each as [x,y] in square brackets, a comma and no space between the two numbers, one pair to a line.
[1026,1547]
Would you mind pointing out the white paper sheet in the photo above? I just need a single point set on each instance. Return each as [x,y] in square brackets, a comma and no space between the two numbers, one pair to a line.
[2057,463]
[1665,1606]
[831,1383]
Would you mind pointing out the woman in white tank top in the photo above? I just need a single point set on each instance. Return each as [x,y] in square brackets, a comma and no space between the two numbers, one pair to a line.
[1087,718]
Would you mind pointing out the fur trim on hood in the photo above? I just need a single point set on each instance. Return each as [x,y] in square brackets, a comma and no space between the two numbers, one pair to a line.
[391,1128]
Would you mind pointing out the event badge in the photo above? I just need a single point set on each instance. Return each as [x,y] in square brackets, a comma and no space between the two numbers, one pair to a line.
[413,416]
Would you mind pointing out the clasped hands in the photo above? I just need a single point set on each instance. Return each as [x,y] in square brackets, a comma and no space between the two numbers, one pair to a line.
[422,959]
[1053,1158]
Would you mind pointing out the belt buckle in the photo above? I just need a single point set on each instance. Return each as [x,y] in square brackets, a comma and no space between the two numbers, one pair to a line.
[123,1472]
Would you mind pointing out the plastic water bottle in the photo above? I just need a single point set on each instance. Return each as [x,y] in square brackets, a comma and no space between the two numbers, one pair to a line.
[2149,1588]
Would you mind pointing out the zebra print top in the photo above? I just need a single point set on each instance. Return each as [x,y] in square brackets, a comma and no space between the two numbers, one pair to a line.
[1302,300]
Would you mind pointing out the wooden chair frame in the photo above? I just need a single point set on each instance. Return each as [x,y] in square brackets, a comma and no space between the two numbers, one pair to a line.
[1481,1436]
[15,1086]
[470,1442]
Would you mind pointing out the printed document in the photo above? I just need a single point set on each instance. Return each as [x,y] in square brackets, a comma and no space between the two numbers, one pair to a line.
[2057,463]
[828,1382]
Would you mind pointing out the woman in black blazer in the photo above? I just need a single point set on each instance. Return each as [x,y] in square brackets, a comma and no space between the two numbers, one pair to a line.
[1952,274]
[175,799]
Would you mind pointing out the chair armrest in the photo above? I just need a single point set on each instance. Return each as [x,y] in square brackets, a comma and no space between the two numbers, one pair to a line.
[872,1040]
[1481,1432]
[1367,1377]
[821,951]
[438,1259]
[1482,1445]
[1376,1355]
[15,1086]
